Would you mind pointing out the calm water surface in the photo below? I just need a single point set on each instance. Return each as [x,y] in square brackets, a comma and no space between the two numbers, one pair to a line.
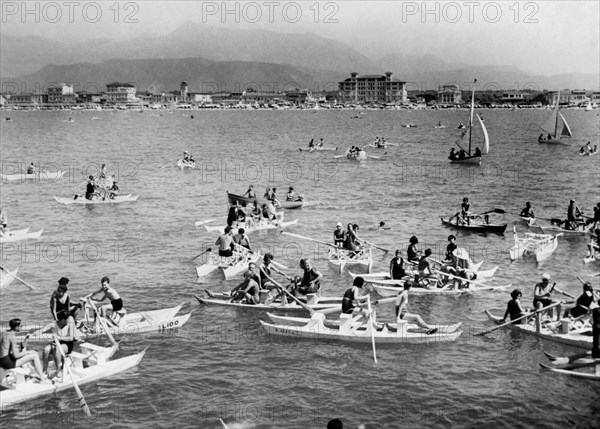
[220,364]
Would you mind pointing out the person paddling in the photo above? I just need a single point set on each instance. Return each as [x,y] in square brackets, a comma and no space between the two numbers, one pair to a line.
[116,303]
[513,308]
[527,211]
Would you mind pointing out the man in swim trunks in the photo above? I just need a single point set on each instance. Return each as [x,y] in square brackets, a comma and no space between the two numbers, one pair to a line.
[225,243]
[402,310]
[248,291]
[11,355]
[116,303]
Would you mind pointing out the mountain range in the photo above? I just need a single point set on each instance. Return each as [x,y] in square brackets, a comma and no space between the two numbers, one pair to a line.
[208,57]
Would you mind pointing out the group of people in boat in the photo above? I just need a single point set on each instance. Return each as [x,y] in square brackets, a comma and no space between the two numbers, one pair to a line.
[348,239]
[542,137]
[103,186]
[588,150]
[311,144]
[462,154]
[379,142]
[354,151]
[187,158]
[67,330]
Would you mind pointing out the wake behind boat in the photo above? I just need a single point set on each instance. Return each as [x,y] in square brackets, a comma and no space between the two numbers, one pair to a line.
[41,176]
[262,225]
[80,199]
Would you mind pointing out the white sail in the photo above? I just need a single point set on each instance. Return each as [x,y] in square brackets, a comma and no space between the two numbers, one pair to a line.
[486,144]
[566,130]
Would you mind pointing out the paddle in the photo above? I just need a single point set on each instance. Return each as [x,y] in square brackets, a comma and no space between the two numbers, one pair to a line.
[520,318]
[303,305]
[80,398]
[370,321]
[308,238]
[103,324]
[564,293]
[277,264]
[375,246]
[200,254]
[18,278]
[498,210]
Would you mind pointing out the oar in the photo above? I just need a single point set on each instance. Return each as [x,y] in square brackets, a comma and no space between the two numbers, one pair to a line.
[80,398]
[374,245]
[200,254]
[564,293]
[303,305]
[103,324]
[203,222]
[339,156]
[308,238]
[370,321]
[277,264]
[18,278]
[462,278]
[498,210]
[220,420]
[520,318]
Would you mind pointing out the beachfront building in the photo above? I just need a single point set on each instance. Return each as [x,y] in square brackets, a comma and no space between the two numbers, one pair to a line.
[27,99]
[572,97]
[372,89]
[449,94]
[121,94]
[514,97]
[61,94]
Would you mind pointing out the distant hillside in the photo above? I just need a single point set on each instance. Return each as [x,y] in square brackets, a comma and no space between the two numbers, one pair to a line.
[202,75]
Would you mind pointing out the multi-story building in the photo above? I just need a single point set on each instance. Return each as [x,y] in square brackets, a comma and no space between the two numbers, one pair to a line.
[513,96]
[27,99]
[449,94]
[573,97]
[372,89]
[61,94]
[121,93]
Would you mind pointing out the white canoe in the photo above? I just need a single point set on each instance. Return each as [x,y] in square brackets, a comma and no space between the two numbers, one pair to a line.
[7,277]
[134,323]
[261,226]
[341,258]
[448,289]
[232,266]
[184,164]
[318,149]
[223,299]
[97,366]
[578,335]
[41,176]
[360,156]
[20,235]
[315,329]
[80,199]
[574,365]
[539,245]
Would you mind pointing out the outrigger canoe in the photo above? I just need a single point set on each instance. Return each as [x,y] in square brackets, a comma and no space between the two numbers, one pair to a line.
[80,199]
[539,245]
[43,175]
[90,365]
[20,235]
[185,164]
[483,227]
[7,277]
[231,265]
[290,205]
[224,300]
[404,333]
[342,257]
[578,335]
[569,365]
[318,149]
[261,226]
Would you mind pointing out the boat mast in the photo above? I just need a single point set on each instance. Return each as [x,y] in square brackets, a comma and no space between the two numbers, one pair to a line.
[471,115]
[556,115]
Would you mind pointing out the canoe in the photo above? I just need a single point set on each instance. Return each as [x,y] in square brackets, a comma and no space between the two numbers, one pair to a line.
[387,291]
[578,336]
[581,229]
[261,226]
[318,149]
[223,300]
[475,159]
[80,199]
[232,266]
[539,245]
[385,146]
[185,164]
[360,156]
[315,329]
[341,258]
[290,205]
[90,365]
[41,176]
[593,363]
[7,277]
[20,235]
[130,323]
[484,228]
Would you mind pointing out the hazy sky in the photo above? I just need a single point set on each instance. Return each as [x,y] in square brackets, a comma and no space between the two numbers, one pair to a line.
[544,37]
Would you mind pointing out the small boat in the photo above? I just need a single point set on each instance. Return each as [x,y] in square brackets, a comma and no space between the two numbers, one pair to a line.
[404,333]
[80,199]
[7,277]
[186,164]
[382,146]
[263,225]
[20,235]
[539,245]
[555,126]
[315,303]
[483,227]
[91,364]
[41,176]
[232,266]
[440,126]
[342,257]
[318,149]
[577,334]
[569,365]
[361,155]
[290,205]
[589,153]
[580,230]
[409,126]
[447,289]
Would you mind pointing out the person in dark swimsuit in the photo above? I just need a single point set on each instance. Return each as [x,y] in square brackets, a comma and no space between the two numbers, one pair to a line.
[64,330]
[339,236]
[412,254]
[527,211]
[583,303]
[60,301]
[451,247]
[351,299]
[311,278]
[513,308]
[250,193]
[90,188]
[13,356]
[397,267]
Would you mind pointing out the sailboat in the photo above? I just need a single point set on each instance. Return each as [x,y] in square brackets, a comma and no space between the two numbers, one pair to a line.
[471,157]
[555,127]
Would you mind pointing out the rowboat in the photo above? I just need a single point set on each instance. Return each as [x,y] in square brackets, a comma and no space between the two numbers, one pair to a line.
[290,205]
[7,277]
[403,333]
[569,365]
[540,245]
[317,149]
[42,175]
[483,227]
[263,225]
[231,265]
[130,323]
[342,257]
[80,199]
[315,303]
[447,289]
[90,365]
[578,335]
[20,235]
[354,156]
[186,164]
[555,126]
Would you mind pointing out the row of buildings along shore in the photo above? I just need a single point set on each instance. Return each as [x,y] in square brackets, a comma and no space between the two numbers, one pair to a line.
[379,91]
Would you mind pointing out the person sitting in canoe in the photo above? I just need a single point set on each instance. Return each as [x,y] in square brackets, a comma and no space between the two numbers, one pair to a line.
[31,169]
[268,194]
[352,242]
[242,239]
[425,274]
[339,236]
[90,189]
[248,291]
[225,243]
[273,214]
[291,196]
[588,147]
[397,270]
[462,154]
[450,248]
[250,193]
[274,198]
[453,154]
[465,210]
[351,302]
[412,253]
[13,356]
[582,151]
[513,308]
[321,143]
[240,213]
[541,137]
[583,303]
[186,156]
[116,303]
[64,330]
[574,216]
[542,293]
[310,282]
[527,211]
[311,143]
[113,191]
[231,216]
[460,126]
[60,301]
[402,310]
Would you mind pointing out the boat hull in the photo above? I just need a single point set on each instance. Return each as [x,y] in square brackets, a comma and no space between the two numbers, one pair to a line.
[289,205]
[292,307]
[43,176]
[484,228]
[182,164]
[318,149]
[387,291]
[262,226]
[470,160]
[82,200]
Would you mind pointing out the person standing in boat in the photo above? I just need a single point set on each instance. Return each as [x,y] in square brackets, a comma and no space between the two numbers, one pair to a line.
[274,198]
[311,143]
[241,239]
[321,143]
[225,243]
[402,310]
[412,253]
[397,270]
[116,303]
[542,293]
[339,236]
[583,303]
[113,191]
[513,308]
[90,188]
[64,330]
[527,211]
[250,193]
[477,151]
[60,301]
[465,210]
[231,216]
[12,356]
[574,216]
